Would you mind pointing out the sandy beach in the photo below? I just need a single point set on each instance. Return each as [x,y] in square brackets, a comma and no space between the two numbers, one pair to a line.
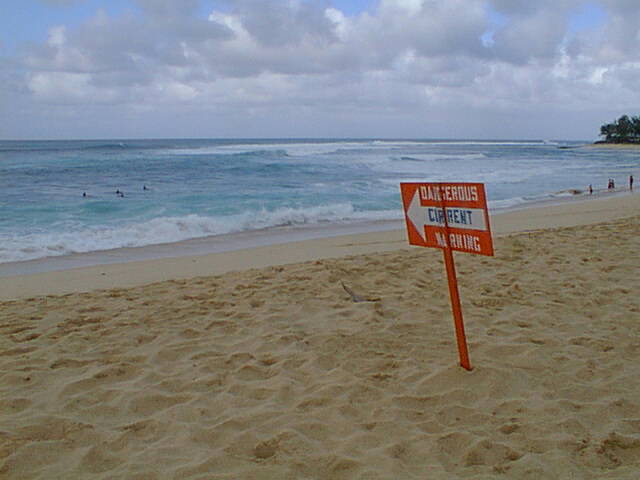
[335,358]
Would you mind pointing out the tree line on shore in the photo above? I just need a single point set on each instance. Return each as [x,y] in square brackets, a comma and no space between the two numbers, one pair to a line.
[623,130]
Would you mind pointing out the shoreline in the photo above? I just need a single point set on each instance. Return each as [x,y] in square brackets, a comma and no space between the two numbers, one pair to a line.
[615,145]
[122,268]
[255,238]
[228,242]
[194,247]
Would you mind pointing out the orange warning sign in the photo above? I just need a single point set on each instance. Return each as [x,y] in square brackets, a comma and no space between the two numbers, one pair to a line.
[448,215]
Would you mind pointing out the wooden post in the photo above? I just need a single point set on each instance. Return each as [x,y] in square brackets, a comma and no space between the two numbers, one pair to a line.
[454,294]
[456,308]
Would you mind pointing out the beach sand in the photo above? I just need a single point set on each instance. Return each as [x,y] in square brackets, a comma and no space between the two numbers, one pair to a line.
[248,365]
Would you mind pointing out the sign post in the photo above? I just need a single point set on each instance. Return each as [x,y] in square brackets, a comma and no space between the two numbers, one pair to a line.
[449,216]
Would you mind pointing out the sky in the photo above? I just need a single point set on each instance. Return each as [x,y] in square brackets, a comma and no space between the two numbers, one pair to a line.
[475,69]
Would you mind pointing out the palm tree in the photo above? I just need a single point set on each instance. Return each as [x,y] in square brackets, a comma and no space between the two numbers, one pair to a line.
[622,130]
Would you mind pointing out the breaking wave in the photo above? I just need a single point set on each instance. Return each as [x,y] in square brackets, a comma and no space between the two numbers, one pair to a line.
[174,229]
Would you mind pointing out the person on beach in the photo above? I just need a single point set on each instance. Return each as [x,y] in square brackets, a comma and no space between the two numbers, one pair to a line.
[590,189]
[630,182]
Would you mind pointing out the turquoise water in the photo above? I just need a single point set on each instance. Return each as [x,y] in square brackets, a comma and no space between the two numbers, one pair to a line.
[182,189]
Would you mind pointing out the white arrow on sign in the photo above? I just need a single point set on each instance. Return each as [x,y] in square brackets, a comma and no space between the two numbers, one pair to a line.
[417,215]
[462,218]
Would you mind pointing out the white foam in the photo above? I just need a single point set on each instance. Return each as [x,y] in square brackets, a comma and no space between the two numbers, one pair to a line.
[507,203]
[441,156]
[175,229]
[292,149]
[303,148]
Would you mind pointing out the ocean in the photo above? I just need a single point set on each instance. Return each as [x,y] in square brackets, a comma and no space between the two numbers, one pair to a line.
[59,198]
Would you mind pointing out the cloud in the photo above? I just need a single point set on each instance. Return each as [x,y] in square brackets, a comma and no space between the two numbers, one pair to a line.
[278,24]
[537,35]
[431,28]
[397,59]
[166,9]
